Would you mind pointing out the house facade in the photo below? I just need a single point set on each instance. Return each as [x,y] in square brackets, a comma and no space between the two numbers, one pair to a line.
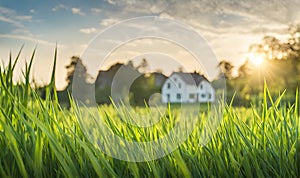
[187,88]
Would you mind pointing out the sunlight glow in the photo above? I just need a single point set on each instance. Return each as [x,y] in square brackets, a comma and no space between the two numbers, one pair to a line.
[256,59]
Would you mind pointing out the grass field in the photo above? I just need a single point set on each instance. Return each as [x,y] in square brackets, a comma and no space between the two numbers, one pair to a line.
[40,139]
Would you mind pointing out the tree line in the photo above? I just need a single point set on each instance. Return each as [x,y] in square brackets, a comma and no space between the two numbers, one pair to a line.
[279,68]
[140,90]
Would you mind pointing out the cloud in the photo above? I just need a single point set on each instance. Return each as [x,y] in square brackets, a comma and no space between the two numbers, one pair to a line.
[216,13]
[112,2]
[229,25]
[4,10]
[28,38]
[59,7]
[32,11]
[22,32]
[109,21]
[165,15]
[77,11]
[95,10]
[74,10]
[24,17]
[10,16]
[11,21]
[88,30]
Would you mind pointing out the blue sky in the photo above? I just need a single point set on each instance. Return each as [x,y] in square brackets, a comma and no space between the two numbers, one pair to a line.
[229,26]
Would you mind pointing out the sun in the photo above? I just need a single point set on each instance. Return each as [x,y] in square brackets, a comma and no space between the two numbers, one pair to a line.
[256,59]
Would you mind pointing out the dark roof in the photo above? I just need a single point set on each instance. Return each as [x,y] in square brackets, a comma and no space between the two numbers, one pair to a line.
[191,78]
[159,75]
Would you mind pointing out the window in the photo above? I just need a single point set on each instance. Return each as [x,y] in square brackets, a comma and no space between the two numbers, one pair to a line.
[209,96]
[168,85]
[175,79]
[201,86]
[203,95]
[178,96]
[192,96]
[168,97]
[179,85]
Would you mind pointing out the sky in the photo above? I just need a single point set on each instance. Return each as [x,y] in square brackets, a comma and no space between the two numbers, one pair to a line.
[228,26]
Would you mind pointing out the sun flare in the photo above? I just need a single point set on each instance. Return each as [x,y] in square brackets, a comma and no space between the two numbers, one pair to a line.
[256,59]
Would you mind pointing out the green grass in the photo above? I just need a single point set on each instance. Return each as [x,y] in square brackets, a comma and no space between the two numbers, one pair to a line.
[40,139]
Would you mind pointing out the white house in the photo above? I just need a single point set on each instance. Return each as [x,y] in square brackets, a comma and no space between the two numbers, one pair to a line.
[187,88]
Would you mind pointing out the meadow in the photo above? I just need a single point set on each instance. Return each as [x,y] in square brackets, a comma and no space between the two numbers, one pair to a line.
[39,138]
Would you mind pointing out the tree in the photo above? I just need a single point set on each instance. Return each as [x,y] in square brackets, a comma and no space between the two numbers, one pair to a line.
[294,40]
[226,69]
[180,69]
[77,71]
[143,67]
[81,71]
[244,69]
